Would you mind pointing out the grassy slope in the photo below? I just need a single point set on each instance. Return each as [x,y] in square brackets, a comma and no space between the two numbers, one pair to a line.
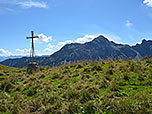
[107,87]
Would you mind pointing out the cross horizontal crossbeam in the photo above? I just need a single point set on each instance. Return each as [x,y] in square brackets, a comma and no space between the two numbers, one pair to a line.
[32,37]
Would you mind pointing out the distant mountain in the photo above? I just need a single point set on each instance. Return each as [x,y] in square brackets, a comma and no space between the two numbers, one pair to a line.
[99,48]
[2,58]
[145,48]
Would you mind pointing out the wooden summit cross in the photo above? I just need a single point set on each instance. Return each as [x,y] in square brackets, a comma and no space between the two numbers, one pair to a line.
[32,66]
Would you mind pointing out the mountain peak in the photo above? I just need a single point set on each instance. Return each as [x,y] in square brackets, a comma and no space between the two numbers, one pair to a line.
[144,41]
[101,38]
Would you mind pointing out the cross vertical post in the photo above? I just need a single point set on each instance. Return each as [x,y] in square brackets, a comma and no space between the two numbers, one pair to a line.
[32,50]
[32,47]
[32,66]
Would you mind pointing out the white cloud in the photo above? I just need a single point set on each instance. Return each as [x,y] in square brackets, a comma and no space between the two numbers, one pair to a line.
[7,1]
[86,38]
[8,9]
[61,44]
[81,40]
[43,39]
[148,3]
[25,3]
[5,53]
[23,52]
[29,4]
[139,42]
[128,24]
[49,47]
[65,42]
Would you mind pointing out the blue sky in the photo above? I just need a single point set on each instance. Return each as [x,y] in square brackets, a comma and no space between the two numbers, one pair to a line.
[58,22]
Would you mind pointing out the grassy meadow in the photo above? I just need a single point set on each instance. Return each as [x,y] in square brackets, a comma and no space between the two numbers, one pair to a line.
[98,87]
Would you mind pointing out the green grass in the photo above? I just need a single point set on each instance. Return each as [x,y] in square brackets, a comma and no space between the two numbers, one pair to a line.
[99,87]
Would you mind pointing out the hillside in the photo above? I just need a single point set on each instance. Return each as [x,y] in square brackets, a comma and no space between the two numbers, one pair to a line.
[107,87]
[99,48]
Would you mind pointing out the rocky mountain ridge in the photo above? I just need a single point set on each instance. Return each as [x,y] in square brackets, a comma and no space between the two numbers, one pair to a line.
[99,48]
